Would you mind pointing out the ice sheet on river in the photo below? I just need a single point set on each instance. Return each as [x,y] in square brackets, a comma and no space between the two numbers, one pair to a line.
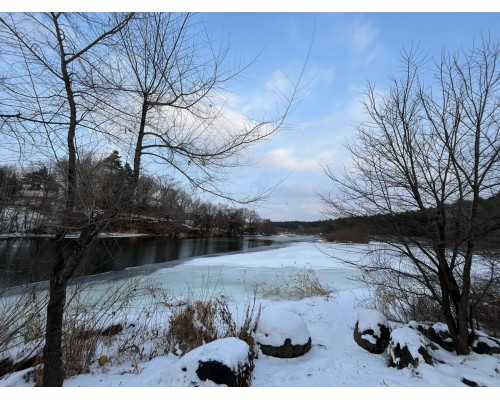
[237,275]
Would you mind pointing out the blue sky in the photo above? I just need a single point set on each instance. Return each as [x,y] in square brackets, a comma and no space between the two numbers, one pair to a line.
[348,50]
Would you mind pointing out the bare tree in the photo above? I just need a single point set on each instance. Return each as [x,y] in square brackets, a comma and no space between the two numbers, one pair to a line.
[172,83]
[430,153]
[79,81]
[46,101]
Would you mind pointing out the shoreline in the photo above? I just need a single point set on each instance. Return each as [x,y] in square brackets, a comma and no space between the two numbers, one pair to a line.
[277,241]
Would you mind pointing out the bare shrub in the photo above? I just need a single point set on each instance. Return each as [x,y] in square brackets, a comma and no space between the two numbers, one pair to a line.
[21,323]
[204,321]
[199,322]
[486,305]
[128,318]
[79,346]
[403,307]
[416,303]
[137,304]
[295,284]
[246,333]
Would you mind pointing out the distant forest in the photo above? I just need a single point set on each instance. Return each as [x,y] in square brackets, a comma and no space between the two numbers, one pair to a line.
[361,229]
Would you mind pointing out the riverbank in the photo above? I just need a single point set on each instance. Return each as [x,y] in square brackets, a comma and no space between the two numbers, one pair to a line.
[29,259]
[335,360]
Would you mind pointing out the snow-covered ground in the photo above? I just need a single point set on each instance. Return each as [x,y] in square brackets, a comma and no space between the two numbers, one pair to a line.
[334,361]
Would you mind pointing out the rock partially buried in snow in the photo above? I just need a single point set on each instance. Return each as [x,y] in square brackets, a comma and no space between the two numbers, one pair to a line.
[281,333]
[372,331]
[484,344]
[437,333]
[407,348]
[221,362]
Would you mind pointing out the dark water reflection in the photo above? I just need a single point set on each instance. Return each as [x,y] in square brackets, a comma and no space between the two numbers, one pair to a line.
[29,260]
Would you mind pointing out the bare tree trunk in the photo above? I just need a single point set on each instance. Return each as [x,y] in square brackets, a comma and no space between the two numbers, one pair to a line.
[138,145]
[53,370]
[464,307]
[63,270]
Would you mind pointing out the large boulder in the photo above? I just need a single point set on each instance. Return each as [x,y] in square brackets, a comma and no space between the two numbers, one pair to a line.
[221,362]
[281,333]
[484,344]
[372,331]
[408,348]
[437,333]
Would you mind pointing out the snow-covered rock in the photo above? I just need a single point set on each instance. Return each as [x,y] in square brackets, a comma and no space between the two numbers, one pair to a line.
[281,333]
[437,333]
[372,331]
[484,344]
[221,362]
[407,348]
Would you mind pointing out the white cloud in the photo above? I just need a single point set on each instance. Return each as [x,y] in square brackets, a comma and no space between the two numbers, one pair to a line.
[363,37]
[285,159]
[270,97]
[280,82]
[359,39]
[294,201]
[364,42]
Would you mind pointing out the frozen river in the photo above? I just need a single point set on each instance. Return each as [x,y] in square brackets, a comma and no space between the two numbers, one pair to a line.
[284,264]
[28,260]
[239,275]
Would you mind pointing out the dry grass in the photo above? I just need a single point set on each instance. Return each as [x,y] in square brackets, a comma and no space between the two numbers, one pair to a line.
[402,307]
[79,347]
[150,326]
[294,284]
[21,324]
[249,325]
[197,323]
[246,333]
[204,321]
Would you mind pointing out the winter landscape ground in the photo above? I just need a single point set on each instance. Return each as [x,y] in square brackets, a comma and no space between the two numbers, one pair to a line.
[335,362]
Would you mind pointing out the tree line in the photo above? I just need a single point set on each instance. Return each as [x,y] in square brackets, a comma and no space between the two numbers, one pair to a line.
[31,200]
[363,228]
